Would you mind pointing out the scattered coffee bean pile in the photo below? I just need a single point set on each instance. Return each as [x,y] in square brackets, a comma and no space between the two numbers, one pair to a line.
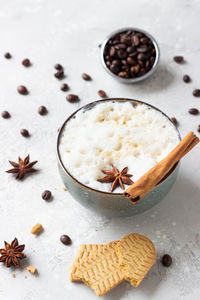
[196,93]
[129,54]
[60,71]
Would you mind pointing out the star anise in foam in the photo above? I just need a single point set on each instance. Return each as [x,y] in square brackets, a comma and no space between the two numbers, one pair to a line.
[22,167]
[12,253]
[117,178]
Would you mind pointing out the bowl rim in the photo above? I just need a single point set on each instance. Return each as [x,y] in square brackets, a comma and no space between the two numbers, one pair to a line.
[137,79]
[88,106]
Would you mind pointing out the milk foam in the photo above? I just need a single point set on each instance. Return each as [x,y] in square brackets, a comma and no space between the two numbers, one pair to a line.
[115,134]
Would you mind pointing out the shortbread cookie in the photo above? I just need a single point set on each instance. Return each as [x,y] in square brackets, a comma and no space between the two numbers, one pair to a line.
[100,271]
[85,251]
[136,254]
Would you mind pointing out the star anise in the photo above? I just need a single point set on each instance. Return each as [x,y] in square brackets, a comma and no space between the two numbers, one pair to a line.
[12,253]
[117,178]
[22,167]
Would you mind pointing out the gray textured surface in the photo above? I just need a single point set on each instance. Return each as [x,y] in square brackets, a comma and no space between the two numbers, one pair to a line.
[69,32]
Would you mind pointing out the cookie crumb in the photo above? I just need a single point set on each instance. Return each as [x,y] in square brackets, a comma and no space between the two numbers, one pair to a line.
[37,229]
[13,275]
[25,276]
[64,188]
[31,269]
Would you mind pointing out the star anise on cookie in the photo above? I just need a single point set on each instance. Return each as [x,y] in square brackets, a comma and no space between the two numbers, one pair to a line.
[22,167]
[12,253]
[117,178]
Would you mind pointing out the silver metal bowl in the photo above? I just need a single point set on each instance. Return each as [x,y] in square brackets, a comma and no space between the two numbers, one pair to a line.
[130,80]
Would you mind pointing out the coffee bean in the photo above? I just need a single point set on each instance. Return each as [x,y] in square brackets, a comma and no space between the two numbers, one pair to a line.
[136,40]
[72,98]
[147,65]
[58,67]
[123,74]
[124,62]
[131,61]
[24,132]
[174,121]
[26,62]
[198,128]
[108,58]
[142,57]
[196,93]
[186,78]
[42,110]
[46,195]
[139,34]
[7,55]
[166,260]
[142,49]
[115,42]
[179,59]
[135,69]
[108,63]
[121,54]
[142,71]
[114,68]
[112,51]
[193,111]
[141,63]
[120,46]
[22,90]
[5,114]
[59,74]
[130,49]
[65,239]
[129,32]
[117,62]
[64,87]
[144,40]
[152,60]
[126,68]
[102,94]
[125,39]
[133,54]
[86,77]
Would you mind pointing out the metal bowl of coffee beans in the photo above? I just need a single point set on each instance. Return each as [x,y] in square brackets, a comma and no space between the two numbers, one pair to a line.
[130,55]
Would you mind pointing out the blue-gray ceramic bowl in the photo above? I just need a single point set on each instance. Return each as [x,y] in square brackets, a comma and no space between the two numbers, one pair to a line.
[113,204]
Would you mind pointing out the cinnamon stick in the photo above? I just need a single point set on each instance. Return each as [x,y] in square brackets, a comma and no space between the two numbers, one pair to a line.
[152,177]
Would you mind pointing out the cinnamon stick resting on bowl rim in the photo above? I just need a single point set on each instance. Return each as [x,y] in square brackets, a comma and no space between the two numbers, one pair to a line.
[152,177]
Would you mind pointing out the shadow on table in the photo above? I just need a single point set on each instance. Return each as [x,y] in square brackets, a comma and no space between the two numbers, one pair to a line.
[160,80]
